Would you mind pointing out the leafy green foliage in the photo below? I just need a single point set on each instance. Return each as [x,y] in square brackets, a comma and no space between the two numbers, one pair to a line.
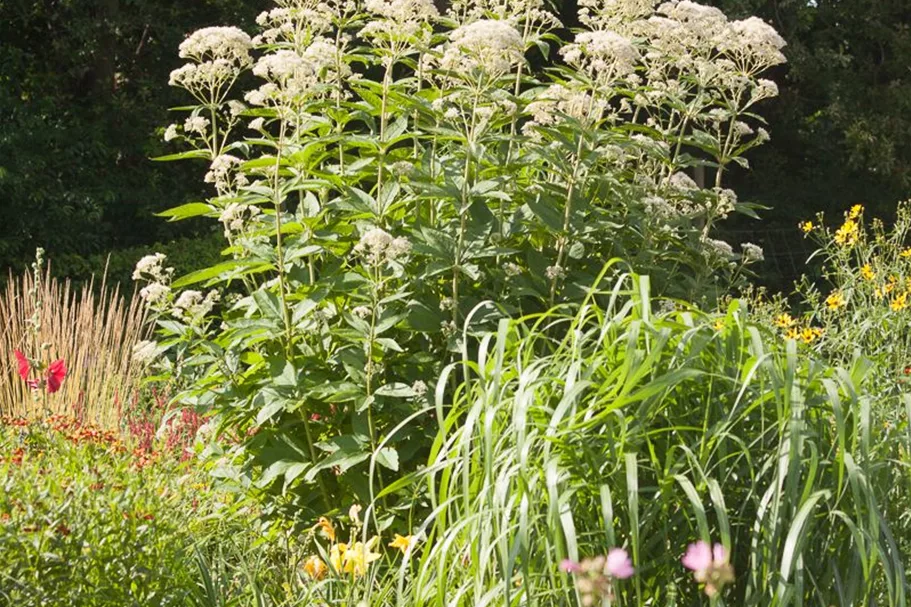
[369,212]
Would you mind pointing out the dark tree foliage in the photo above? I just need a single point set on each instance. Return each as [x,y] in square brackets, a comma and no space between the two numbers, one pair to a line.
[841,129]
[83,96]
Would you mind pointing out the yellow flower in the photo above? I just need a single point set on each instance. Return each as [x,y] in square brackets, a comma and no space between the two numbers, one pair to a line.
[784,320]
[402,542]
[337,556]
[855,211]
[867,272]
[810,334]
[906,252]
[315,568]
[359,556]
[327,528]
[848,233]
[877,293]
[835,300]
[806,226]
[899,302]
[718,324]
[792,333]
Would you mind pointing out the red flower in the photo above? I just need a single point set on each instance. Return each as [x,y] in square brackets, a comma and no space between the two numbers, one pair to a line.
[24,367]
[55,373]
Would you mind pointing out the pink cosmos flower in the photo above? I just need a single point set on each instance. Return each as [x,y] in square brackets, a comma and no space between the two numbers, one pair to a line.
[618,564]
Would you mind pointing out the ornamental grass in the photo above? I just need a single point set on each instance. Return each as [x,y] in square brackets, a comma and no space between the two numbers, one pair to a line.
[92,329]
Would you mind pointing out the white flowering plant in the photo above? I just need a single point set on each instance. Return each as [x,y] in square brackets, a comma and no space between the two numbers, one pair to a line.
[394,168]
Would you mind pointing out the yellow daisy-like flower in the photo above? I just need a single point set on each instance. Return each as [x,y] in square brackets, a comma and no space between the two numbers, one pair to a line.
[792,333]
[899,302]
[855,211]
[835,300]
[315,568]
[718,325]
[784,321]
[848,233]
[402,542]
[810,334]
[867,273]
[325,525]
[906,252]
[806,226]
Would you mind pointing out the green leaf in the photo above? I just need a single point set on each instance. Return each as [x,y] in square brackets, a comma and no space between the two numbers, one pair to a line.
[398,390]
[216,271]
[185,211]
[183,155]
[388,458]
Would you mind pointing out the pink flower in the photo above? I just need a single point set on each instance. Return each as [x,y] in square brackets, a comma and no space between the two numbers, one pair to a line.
[698,557]
[570,566]
[709,565]
[618,564]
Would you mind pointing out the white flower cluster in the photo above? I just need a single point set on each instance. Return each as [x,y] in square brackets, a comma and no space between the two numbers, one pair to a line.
[558,101]
[151,266]
[236,217]
[171,133]
[293,78]
[602,55]
[192,306]
[223,173]
[724,202]
[152,269]
[718,248]
[755,42]
[400,20]
[298,20]
[616,15]
[683,182]
[487,46]
[196,124]
[377,246]
[752,252]
[210,43]
[217,55]
[555,272]
[659,208]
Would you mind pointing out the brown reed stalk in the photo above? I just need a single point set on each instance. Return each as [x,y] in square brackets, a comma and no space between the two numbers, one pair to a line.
[94,334]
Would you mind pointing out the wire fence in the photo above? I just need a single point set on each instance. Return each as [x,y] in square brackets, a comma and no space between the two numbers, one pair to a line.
[785,250]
